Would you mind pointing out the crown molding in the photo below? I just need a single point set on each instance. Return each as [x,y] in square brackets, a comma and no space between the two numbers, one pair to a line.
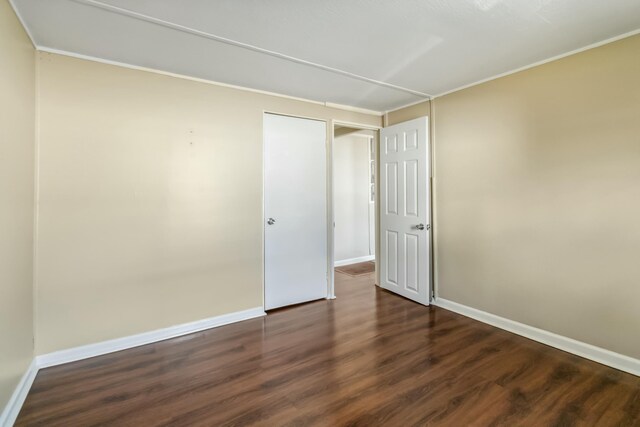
[204,34]
[46,49]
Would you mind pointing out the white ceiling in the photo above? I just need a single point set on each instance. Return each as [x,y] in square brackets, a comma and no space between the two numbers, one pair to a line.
[370,54]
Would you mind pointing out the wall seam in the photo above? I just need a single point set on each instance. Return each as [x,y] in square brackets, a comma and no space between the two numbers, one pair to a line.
[36,200]
[434,213]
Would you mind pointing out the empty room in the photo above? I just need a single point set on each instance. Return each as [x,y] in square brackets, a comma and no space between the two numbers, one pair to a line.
[319,213]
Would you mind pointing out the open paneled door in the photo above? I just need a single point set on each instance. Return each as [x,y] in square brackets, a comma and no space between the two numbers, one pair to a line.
[405,209]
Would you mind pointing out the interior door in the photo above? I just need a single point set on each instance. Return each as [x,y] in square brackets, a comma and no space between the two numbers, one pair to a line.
[295,207]
[404,209]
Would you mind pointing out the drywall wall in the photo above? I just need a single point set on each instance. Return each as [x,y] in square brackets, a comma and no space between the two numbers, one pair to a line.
[150,199]
[412,112]
[537,179]
[17,130]
[351,197]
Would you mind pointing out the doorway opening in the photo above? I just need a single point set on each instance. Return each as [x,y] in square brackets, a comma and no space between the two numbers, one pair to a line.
[354,156]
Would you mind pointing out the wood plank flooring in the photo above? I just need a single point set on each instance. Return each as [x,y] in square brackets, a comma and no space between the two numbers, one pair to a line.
[368,358]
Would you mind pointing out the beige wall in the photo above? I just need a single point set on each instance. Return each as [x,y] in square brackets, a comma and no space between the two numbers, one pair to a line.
[413,112]
[17,130]
[537,196]
[150,199]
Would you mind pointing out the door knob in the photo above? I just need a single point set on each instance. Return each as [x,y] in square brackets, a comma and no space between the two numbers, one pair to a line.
[420,226]
[271,221]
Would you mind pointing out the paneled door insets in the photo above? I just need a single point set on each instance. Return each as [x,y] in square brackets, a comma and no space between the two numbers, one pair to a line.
[405,211]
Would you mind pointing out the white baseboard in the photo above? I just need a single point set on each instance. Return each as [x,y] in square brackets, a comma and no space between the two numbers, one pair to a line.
[354,260]
[588,351]
[118,344]
[12,409]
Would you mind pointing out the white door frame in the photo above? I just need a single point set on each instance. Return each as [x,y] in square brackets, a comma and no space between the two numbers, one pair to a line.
[331,291]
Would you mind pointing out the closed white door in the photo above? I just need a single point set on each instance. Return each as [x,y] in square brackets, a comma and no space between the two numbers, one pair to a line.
[295,207]
[404,209]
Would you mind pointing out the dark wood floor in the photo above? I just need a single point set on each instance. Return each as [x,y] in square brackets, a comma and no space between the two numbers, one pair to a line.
[368,358]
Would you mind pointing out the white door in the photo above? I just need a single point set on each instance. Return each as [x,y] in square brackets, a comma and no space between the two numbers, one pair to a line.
[295,208]
[404,209]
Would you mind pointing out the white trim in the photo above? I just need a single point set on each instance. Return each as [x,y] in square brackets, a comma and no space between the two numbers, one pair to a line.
[295,116]
[353,109]
[433,279]
[210,36]
[24,25]
[579,348]
[263,252]
[124,343]
[354,260]
[12,409]
[169,74]
[205,81]
[356,134]
[544,61]
[331,219]
[360,126]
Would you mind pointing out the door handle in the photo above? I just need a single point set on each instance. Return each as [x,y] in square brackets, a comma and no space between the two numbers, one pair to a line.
[271,221]
[422,227]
